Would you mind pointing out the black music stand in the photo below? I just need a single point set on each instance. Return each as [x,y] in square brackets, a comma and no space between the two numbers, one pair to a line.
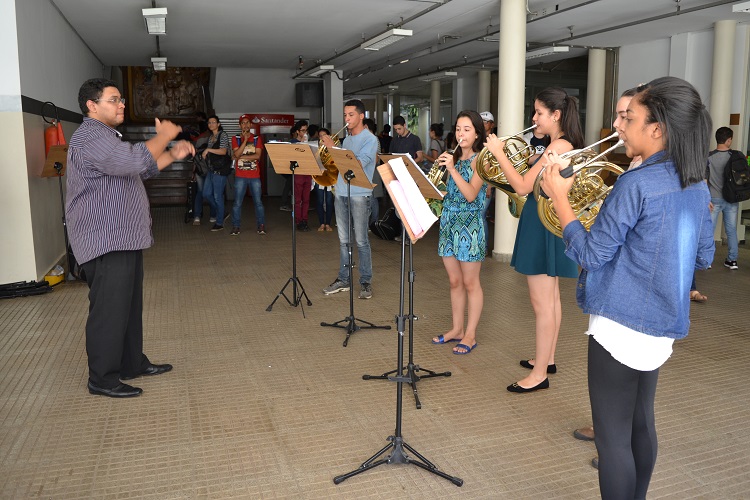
[300,159]
[427,190]
[54,166]
[353,173]
[397,444]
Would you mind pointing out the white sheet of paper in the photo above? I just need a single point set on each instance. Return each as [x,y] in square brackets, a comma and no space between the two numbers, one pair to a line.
[423,216]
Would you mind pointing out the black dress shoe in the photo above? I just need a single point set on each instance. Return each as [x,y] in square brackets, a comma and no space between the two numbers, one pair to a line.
[550,368]
[121,391]
[151,370]
[544,384]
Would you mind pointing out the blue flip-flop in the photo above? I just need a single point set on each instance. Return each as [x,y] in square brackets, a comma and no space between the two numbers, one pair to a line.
[441,340]
[466,348]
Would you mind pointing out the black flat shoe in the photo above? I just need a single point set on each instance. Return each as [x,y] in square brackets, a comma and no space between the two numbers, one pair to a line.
[121,391]
[151,370]
[550,368]
[544,384]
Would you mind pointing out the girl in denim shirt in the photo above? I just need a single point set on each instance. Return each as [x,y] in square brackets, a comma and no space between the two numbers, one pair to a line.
[637,262]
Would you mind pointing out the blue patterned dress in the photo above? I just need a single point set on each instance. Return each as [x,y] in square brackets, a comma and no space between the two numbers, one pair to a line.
[461,228]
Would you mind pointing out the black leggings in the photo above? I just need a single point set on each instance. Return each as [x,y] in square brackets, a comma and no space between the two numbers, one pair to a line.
[622,405]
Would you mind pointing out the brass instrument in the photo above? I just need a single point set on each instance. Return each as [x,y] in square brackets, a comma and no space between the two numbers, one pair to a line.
[518,153]
[331,174]
[595,177]
[438,175]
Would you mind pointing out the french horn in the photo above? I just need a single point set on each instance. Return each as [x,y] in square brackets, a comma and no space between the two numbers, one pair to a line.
[438,176]
[518,153]
[331,174]
[595,177]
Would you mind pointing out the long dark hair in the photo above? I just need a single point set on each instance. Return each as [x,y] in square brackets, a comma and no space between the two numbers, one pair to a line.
[556,99]
[478,124]
[686,125]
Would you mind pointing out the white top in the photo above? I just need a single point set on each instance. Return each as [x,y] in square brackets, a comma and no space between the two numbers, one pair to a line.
[633,349]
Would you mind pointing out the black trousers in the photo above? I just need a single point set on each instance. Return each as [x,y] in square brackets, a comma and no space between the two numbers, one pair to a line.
[622,405]
[114,329]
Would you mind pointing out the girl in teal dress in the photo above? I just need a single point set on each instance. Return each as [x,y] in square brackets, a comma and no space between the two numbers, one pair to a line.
[538,253]
[462,241]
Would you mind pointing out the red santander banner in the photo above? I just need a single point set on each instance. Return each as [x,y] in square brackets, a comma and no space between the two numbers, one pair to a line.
[272,124]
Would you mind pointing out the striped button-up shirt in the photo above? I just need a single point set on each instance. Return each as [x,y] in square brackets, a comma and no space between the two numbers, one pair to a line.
[107,208]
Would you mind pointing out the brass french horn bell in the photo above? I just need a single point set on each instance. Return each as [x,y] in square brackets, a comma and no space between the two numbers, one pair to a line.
[518,153]
[331,174]
[595,177]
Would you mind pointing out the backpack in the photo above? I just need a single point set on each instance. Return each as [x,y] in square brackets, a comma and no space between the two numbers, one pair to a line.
[736,178]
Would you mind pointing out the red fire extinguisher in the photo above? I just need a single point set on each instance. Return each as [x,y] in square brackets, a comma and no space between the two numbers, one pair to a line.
[53,135]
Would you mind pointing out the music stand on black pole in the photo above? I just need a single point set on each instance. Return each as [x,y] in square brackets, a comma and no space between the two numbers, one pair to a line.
[397,444]
[300,157]
[54,166]
[349,164]
[428,191]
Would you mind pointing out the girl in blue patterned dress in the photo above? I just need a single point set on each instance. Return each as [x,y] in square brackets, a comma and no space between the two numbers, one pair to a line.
[462,240]
[539,254]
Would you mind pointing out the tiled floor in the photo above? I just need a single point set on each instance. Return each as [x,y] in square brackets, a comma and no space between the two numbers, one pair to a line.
[270,405]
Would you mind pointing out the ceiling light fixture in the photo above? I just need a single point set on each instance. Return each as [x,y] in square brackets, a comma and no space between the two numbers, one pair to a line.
[156,20]
[160,63]
[323,68]
[385,39]
[547,51]
[741,7]
[443,75]
[392,87]
[404,61]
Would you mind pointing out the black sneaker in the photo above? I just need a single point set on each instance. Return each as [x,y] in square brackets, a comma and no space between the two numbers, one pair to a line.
[261,229]
[365,291]
[336,287]
[217,228]
[235,231]
[731,264]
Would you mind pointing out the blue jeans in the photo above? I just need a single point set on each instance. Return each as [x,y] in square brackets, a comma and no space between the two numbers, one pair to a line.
[324,204]
[360,219]
[730,223]
[213,191]
[240,187]
[198,206]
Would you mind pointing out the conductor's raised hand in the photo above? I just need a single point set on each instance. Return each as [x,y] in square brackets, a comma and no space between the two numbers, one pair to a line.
[167,128]
[495,145]
[555,185]
[182,149]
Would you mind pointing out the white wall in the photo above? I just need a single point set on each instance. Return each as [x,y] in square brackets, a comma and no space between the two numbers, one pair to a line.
[642,62]
[50,65]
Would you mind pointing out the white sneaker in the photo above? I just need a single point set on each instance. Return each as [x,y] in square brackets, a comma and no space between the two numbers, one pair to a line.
[196,221]
[212,220]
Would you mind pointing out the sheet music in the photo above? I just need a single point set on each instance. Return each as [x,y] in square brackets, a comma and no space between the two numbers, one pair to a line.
[413,205]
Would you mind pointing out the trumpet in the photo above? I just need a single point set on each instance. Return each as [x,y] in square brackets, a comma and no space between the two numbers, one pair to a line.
[592,185]
[518,153]
[331,174]
[438,175]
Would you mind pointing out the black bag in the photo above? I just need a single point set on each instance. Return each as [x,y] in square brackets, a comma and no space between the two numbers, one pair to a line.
[200,163]
[736,178]
[219,164]
[388,226]
[192,189]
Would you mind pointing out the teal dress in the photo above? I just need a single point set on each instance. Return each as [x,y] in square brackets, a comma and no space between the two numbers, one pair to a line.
[461,229]
[537,251]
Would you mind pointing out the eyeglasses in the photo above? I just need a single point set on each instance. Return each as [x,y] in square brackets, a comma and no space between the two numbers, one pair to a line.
[114,100]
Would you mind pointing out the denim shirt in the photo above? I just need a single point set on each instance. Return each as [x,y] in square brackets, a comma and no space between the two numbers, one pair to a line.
[638,260]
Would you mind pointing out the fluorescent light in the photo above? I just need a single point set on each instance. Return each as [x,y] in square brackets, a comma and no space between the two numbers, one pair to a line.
[323,68]
[493,39]
[741,7]
[387,38]
[438,76]
[546,51]
[160,63]
[404,61]
[156,20]
[392,87]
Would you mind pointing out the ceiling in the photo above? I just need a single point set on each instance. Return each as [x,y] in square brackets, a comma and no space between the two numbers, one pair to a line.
[447,34]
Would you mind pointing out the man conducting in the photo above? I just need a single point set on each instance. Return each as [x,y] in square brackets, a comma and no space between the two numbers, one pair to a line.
[109,223]
[364,145]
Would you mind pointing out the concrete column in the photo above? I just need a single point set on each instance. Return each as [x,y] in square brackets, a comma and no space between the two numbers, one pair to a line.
[595,95]
[509,118]
[333,101]
[396,107]
[483,99]
[434,102]
[379,111]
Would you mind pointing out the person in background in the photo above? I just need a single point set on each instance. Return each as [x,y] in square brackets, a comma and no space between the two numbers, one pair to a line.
[717,162]
[246,149]
[109,223]
[324,196]
[461,243]
[384,138]
[437,144]
[302,183]
[313,132]
[406,142]
[200,169]
[215,183]
[657,214]
[488,120]
[377,191]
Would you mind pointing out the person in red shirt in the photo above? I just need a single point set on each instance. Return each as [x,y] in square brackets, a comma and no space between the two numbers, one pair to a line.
[247,148]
